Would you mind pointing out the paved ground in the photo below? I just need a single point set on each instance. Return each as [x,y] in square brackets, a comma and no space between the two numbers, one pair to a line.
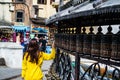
[7,73]
[14,74]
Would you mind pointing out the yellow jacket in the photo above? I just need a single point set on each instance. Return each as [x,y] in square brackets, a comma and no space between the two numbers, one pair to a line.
[32,71]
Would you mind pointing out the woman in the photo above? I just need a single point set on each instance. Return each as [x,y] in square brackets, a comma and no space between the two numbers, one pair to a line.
[33,59]
[18,38]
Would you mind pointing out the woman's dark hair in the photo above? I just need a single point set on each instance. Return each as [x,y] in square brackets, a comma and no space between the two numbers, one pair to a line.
[33,49]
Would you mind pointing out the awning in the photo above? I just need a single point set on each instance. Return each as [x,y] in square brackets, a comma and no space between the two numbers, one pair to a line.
[39,20]
[39,30]
[21,28]
[6,29]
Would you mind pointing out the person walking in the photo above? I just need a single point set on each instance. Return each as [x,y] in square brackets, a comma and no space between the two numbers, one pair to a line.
[36,37]
[33,59]
[26,41]
[18,38]
[43,43]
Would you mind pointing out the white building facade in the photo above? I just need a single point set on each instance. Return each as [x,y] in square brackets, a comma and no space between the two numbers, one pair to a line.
[5,13]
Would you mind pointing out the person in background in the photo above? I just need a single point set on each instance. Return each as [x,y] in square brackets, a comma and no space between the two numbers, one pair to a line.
[43,43]
[26,41]
[18,38]
[0,38]
[36,37]
[22,40]
[33,59]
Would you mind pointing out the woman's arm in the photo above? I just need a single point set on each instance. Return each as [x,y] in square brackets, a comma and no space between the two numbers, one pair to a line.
[51,55]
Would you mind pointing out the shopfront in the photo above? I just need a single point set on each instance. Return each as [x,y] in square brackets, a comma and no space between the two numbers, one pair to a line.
[39,30]
[6,34]
[23,30]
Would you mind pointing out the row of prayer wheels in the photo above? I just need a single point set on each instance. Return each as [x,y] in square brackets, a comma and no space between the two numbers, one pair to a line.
[96,45]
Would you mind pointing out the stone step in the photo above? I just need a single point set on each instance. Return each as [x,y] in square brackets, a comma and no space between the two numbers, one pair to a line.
[2,62]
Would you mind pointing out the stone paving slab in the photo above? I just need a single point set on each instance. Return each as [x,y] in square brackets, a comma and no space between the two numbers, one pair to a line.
[6,73]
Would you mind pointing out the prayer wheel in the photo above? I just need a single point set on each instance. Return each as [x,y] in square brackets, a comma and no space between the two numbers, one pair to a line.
[68,42]
[106,44]
[115,54]
[88,42]
[72,42]
[79,43]
[96,42]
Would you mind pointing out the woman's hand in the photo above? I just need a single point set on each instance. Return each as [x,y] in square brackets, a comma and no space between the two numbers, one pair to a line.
[53,44]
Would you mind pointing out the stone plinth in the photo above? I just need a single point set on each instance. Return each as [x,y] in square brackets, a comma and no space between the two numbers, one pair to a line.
[12,53]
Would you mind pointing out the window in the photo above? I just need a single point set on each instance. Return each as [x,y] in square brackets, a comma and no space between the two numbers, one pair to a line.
[19,16]
[42,1]
[36,11]
[20,0]
[52,1]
